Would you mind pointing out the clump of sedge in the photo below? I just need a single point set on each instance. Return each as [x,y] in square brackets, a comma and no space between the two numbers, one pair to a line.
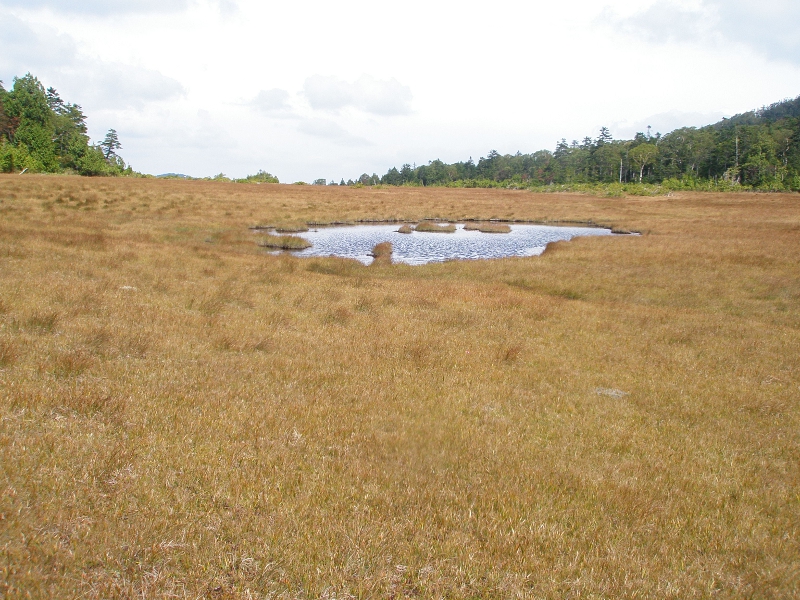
[488,227]
[291,227]
[382,253]
[284,242]
[428,227]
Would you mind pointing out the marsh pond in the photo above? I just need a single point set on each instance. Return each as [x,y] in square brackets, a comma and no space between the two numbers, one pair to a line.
[421,247]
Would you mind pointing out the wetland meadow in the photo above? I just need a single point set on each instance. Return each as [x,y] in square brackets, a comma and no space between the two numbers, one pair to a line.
[184,414]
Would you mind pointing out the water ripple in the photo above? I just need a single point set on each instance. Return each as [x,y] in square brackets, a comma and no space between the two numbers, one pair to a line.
[418,248]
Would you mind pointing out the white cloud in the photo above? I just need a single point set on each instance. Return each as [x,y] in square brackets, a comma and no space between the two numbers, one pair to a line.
[770,27]
[118,86]
[378,97]
[331,131]
[271,101]
[228,8]
[99,7]
[26,49]
[114,7]
[328,93]
[665,20]
[54,56]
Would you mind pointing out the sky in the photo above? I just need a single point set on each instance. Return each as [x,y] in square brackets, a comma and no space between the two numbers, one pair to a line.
[308,89]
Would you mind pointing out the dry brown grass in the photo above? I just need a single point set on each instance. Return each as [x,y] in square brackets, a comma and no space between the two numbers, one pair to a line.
[285,242]
[291,227]
[405,228]
[182,415]
[488,227]
[428,227]
[382,253]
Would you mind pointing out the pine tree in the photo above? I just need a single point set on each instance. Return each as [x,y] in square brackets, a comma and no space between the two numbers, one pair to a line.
[110,144]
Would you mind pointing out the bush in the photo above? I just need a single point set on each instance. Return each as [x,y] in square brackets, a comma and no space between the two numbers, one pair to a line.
[94,164]
[14,159]
[260,177]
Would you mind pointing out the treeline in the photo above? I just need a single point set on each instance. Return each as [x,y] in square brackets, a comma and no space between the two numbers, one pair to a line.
[39,132]
[259,177]
[758,150]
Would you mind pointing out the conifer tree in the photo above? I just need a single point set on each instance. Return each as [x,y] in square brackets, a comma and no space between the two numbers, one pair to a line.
[111,144]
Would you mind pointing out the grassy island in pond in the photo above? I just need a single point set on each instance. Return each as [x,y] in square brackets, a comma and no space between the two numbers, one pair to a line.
[488,227]
[428,227]
[382,253]
[185,415]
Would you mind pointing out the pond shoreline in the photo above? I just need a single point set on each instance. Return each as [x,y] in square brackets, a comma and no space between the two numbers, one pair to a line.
[548,222]
[433,243]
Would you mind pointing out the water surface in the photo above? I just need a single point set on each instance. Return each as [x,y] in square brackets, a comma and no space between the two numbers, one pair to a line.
[417,248]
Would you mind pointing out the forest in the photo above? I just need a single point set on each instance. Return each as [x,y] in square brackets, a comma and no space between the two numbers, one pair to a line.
[39,132]
[759,149]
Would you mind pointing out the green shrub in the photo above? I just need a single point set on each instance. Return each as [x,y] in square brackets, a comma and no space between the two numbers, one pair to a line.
[94,164]
[14,159]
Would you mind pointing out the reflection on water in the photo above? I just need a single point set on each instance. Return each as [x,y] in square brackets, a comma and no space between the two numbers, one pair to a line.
[418,248]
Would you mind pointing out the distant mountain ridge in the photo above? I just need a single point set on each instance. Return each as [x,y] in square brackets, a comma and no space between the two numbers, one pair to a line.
[785,109]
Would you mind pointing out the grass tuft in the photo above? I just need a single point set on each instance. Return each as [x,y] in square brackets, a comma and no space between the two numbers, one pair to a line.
[429,227]
[284,242]
[488,227]
[382,254]
[511,353]
[8,353]
[91,402]
[44,322]
[264,345]
[291,227]
[405,228]
[334,266]
[339,316]
[98,340]
[70,364]
[135,344]
[553,247]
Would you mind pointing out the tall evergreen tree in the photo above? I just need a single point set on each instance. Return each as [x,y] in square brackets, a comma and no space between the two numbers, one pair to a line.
[27,104]
[111,144]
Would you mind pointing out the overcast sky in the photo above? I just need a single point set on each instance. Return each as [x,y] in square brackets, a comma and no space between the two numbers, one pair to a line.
[310,90]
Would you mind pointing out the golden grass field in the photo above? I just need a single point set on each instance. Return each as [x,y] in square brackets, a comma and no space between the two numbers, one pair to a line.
[183,415]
